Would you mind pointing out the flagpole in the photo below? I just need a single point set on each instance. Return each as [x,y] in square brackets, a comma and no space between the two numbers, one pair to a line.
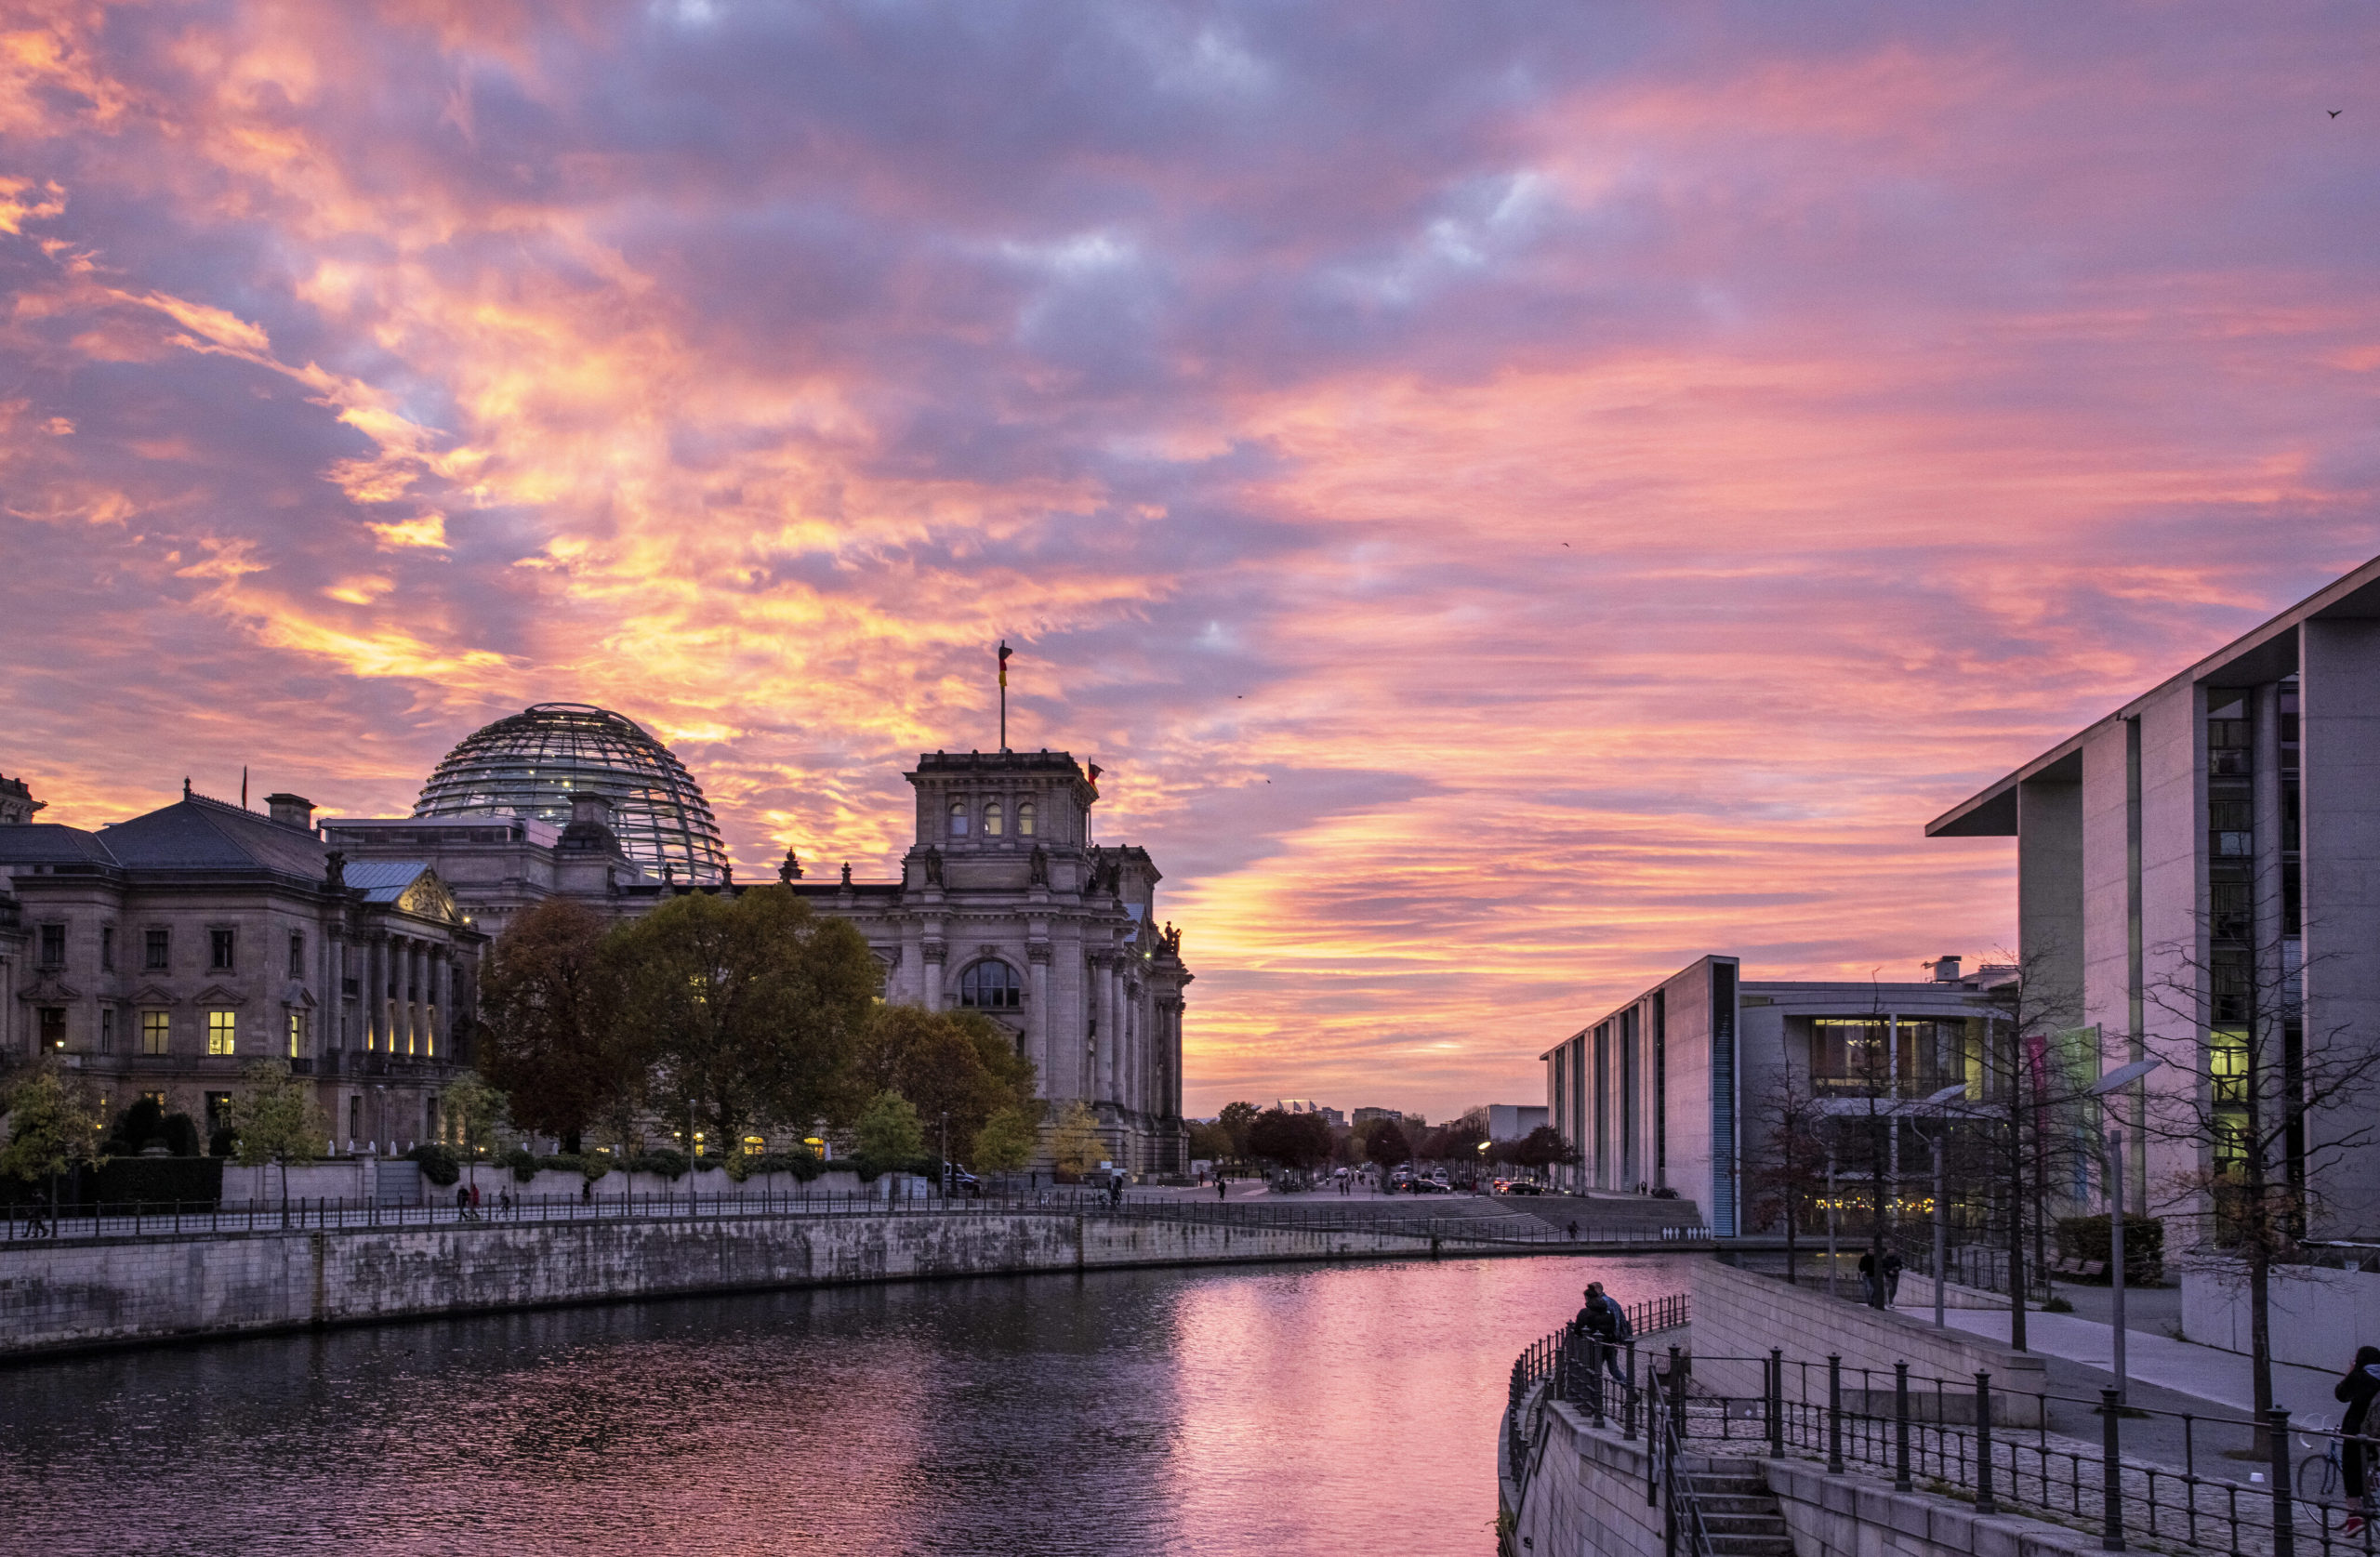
[1003,665]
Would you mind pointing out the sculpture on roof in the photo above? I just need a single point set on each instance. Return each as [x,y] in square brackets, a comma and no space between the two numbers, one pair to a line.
[334,872]
[847,873]
[790,870]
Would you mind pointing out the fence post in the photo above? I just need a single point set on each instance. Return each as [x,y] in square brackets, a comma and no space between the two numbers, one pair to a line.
[2284,1520]
[2112,1470]
[1984,1501]
[1593,1383]
[1777,1403]
[1900,1428]
[1834,1414]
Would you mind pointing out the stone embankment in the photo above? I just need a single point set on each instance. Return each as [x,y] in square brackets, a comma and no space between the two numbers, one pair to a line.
[120,1290]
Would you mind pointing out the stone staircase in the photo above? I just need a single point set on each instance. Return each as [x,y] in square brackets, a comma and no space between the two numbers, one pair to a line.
[1739,1513]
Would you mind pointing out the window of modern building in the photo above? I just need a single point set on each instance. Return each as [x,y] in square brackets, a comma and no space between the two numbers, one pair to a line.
[990,985]
[1856,1054]
[959,820]
[296,954]
[992,820]
[220,945]
[297,1035]
[53,1028]
[107,1029]
[222,1032]
[1025,819]
[107,948]
[155,1032]
[157,950]
[53,945]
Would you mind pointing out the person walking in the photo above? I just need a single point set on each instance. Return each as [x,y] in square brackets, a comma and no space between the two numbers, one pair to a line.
[1222,1192]
[2359,1389]
[1871,1293]
[587,1191]
[462,1202]
[1890,1268]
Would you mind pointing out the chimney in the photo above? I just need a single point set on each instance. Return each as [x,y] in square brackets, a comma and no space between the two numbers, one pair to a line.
[291,811]
[1946,969]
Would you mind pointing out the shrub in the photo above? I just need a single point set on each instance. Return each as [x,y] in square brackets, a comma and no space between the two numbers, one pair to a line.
[181,1135]
[2143,1244]
[161,1182]
[223,1141]
[438,1164]
[669,1163]
[524,1166]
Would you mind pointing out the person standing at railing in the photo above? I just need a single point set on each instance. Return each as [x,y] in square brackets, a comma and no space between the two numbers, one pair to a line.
[1603,1320]
[2359,1389]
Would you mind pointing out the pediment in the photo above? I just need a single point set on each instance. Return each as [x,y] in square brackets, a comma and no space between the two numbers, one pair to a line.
[215,995]
[295,994]
[150,995]
[428,898]
[49,989]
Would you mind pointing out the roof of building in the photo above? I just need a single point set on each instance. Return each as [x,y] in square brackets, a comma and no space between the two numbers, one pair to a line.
[196,833]
[2265,653]
[45,843]
[383,881]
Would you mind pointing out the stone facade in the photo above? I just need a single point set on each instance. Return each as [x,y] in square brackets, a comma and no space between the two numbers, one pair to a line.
[165,954]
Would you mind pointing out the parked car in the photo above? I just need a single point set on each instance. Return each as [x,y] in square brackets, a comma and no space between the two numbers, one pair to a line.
[962,1184]
[1522,1186]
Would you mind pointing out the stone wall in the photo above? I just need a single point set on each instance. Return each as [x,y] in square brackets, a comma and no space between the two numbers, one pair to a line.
[1586,1493]
[1740,1316]
[123,1290]
[2319,1317]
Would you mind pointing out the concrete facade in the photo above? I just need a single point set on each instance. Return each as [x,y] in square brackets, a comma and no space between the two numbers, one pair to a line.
[1669,1089]
[2227,817]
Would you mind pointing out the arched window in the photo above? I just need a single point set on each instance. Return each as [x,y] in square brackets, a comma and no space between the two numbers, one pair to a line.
[992,820]
[959,820]
[990,985]
[1025,819]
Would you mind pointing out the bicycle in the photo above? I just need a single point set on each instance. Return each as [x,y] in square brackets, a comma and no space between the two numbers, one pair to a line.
[2320,1476]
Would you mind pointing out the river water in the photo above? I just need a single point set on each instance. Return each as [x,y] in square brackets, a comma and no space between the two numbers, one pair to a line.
[1272,1410]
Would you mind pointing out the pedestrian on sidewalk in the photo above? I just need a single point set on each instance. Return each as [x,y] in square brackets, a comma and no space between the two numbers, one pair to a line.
[2359,1389]
[1891,1268]
[462,1202]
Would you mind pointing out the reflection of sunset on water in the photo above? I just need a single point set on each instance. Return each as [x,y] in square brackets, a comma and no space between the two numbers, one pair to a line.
[1512,509]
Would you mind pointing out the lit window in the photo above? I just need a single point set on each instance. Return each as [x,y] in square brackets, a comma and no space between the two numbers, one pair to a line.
[1025,819]
[53,1028]
[157,950]
[990,985]
[153,1032]
[959,820]
[992,828]
[297,1035]
[221,1028]
[754,1146]
[221,942]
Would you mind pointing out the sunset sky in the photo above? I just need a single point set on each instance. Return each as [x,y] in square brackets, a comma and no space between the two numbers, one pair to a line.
[1516,495]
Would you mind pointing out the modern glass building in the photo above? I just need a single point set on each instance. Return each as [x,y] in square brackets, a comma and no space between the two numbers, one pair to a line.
[538,761]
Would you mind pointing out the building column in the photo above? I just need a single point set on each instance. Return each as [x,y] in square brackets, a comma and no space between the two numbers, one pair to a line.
[442,998]
[1044,1059]
[375,997]
[1111,1027]
[932,952]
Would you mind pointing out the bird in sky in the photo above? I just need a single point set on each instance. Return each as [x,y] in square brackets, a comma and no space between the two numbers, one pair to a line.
[2336,111]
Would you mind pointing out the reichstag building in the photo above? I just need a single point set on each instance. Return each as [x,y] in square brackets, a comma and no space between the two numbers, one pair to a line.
[166,952]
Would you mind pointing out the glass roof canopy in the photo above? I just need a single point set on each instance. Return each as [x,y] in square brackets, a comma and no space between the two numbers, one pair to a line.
[533,762]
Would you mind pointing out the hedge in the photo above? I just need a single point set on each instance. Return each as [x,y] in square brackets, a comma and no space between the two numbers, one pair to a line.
[159,1181]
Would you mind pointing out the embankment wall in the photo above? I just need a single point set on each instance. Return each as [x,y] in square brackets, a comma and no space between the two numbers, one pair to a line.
[117,1291]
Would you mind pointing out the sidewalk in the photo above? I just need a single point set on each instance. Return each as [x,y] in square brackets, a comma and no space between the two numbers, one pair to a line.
[2220,1381]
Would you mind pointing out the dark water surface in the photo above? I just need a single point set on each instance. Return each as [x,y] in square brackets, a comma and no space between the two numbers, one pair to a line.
[1270,1410]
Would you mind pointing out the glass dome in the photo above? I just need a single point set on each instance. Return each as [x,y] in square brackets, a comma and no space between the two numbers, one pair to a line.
[531,763]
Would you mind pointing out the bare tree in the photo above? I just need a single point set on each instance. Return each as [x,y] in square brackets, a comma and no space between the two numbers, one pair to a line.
[2272,1101]
[1790,1172]
[2031,1126]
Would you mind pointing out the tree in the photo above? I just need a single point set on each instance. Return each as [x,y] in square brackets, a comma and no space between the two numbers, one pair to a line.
[2270,1100]
[1791,1170]
[1007,1141]
[1295,1141]
[753,1006]
[1386,1145]
[1210,1141]
[550,1037]
[890,1135]
[959,1065]
[274,1121]
[53,1124]
[1544,1147]
[1076,1144]
[1234,1119]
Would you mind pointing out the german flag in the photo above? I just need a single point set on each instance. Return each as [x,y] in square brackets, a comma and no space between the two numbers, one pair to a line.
[1005,651]
[1094,781]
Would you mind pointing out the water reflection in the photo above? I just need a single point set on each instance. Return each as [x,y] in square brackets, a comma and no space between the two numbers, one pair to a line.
[1272,1410]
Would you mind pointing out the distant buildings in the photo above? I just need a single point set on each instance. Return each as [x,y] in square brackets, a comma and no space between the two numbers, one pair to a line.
[1366,1115]
[1334,1117]
[1508,1121]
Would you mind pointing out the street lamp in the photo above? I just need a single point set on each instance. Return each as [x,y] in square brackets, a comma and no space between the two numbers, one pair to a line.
[1941,1227]
[2122,1075]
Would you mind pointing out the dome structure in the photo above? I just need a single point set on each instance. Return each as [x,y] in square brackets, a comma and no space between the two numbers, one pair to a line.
[537,761]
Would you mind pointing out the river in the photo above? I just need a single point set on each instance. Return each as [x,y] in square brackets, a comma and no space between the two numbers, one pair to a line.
[1272,1410]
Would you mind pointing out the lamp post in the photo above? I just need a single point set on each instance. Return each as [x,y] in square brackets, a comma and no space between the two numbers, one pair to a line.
[2123,1076]
[1829,1224]
[1941,1209]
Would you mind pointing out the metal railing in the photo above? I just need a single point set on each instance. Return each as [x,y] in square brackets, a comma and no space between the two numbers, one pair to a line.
[1571,1368]
[1954,1436]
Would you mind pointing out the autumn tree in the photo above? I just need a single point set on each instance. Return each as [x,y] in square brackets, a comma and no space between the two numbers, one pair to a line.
[274,1120]
[753,1005]
[53,1126]
[1074,1145]
[957,1066]
[1295,1141]
[550,1034]
[1008,1139]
